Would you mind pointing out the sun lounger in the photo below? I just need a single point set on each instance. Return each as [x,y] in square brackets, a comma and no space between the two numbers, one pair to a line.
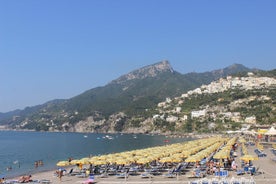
[195,182]
[11,182]
[240,172]
[103,175]
[44,181]
[205,181]
[81,175]
[122,175]
[260,153]
[71,173]
[215,181]
[225,181]
[34,182]
[146,175]
[170,175]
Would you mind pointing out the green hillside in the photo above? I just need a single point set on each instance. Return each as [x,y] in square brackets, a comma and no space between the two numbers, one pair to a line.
[130,96]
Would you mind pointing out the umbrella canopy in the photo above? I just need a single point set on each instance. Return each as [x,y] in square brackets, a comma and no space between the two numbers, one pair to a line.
[74,162]
[63,163]
[248,158]
[193,159]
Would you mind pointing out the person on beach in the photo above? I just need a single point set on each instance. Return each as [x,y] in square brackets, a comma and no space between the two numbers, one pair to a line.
[60,174]
[36,164]
[234,165]
[2,180]
[25,179]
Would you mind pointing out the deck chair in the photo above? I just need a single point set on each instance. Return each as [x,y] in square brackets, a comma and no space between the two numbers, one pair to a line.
[170,175]
[256,171]
[44,181]
[146,175]
[205,181]
[122,175]
[70,173]
[225,181]
[195,182]
[240,172]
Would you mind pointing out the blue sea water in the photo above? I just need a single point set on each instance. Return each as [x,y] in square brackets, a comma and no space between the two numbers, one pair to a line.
[20,150]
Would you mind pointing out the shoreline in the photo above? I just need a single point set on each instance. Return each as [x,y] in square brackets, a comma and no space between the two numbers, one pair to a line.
[170,134]
[264,163]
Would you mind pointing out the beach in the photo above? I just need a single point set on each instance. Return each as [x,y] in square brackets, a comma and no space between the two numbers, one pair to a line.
[266,168]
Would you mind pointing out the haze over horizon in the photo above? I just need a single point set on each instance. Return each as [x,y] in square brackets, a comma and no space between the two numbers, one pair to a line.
[59,49]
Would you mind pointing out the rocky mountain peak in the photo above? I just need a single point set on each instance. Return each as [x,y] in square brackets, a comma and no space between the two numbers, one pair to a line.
[144,72]
[234,68]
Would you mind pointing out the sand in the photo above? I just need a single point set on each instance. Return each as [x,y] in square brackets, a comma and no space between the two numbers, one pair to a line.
[265,165]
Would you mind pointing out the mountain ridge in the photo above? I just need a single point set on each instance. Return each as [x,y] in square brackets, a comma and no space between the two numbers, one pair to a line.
[131,94]
[146,71]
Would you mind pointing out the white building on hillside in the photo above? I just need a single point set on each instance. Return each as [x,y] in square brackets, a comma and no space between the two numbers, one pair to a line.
[197,114]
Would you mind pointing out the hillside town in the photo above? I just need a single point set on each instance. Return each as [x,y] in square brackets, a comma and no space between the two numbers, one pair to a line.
[175,111]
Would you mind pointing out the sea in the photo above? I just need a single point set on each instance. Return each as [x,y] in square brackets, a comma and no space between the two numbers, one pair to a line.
[29,152]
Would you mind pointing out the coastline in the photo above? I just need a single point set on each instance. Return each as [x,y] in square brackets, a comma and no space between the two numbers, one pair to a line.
[24,148]
[264,163]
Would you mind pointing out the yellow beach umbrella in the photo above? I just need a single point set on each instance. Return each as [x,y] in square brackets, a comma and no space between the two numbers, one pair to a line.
[176,159]
[99,162]
[248,158]
[192,159]
[143,161]
[74,162]
[166,159]
[122,162]
[84,161]
[63,163]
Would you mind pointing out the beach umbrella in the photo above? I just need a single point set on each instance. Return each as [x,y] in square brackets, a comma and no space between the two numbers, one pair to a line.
[99,162]
[74,162]
[63,163]
[166,159]
[248,158]
[193,159]
[143,161]
[176,159]
[84,161]
[122,161]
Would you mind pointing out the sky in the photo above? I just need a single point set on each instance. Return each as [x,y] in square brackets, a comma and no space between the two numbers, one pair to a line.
[57,49]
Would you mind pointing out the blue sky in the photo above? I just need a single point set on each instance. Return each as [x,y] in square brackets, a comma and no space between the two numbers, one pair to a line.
[56,49]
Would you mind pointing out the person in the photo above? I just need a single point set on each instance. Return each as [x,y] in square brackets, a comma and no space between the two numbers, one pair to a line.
[234,165]
[60,174]
[2,180]
[90,168]
[9,168]
[36,164]
[80,166]
[25,179]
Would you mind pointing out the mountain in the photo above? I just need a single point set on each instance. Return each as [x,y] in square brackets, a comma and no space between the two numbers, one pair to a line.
[108,108]
[145,72]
